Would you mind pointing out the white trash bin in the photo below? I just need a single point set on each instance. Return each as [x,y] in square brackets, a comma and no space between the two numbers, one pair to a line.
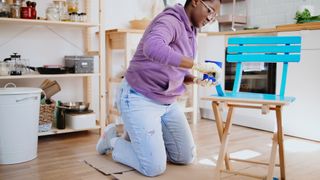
[19,118]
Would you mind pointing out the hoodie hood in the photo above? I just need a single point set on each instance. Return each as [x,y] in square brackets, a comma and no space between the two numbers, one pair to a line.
[179,12]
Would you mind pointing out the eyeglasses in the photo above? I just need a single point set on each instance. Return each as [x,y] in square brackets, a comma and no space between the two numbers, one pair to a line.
[212,13]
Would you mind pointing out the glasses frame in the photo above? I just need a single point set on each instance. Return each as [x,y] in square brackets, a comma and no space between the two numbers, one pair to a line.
[212,13]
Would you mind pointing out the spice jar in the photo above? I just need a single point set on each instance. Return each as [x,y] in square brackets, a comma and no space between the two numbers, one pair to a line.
[15,9]
[82,17]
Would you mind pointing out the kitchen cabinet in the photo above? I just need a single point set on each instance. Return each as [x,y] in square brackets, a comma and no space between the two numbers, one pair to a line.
[126,41]
[301,117]
[85,27]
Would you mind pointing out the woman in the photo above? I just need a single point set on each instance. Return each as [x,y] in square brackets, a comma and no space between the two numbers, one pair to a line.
[158,72]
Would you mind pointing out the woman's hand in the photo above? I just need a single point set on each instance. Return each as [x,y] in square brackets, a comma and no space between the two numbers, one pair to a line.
[208,68]
[205,82]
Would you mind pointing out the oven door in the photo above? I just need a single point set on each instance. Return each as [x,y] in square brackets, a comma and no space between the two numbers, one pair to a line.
[256,77]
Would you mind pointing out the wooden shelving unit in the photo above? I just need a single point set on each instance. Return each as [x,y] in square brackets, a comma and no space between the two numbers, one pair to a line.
[87,78]
[45,22]
[127,40]
[54,131]
[227,19]
[39,76]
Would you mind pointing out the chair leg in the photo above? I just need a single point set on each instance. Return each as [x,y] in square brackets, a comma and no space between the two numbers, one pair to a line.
[272,161]
[224,143]
[219,123]
[280,142]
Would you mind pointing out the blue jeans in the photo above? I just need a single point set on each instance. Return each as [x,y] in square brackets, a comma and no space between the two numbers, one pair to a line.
[157,133]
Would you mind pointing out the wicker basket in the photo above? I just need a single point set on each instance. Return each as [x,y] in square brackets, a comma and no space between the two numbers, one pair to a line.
[47,115]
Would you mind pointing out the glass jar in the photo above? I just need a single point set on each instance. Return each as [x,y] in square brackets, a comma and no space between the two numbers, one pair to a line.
[73,6]
[4,9]
[53,13]
[61,5]
[15,10]
[4,68]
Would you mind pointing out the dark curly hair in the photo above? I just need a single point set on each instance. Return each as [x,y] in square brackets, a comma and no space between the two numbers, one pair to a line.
[189,1]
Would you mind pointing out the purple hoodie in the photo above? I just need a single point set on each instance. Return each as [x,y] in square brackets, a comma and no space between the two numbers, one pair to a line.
[154,70]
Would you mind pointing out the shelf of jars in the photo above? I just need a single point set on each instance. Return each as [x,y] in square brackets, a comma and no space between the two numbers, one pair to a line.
[45,22]
[33,76]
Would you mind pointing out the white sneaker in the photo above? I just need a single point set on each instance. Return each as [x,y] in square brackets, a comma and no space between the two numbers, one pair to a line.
[103,146]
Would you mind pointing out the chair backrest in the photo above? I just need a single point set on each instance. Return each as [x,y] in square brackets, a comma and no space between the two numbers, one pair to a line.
[268,49]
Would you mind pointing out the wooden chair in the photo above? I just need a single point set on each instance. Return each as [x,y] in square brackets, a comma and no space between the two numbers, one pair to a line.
[270,49]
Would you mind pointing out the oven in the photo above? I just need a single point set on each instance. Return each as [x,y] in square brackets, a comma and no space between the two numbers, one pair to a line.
[256,77]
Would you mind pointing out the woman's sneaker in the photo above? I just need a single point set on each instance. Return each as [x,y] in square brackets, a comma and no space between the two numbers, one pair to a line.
[103,146]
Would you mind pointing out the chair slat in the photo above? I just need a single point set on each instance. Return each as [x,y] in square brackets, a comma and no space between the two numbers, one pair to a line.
[265,40]
[264,49]
[263,58]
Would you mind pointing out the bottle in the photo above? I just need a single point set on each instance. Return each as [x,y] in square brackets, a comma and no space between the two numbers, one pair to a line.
[26,10]
[15,9]
[72,6]
[33,10]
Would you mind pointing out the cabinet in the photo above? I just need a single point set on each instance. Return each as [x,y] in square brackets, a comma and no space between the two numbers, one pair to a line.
[126,40]
[225,20]
[86,29]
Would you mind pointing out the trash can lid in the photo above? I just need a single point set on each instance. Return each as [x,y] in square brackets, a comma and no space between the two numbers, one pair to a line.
[19,90]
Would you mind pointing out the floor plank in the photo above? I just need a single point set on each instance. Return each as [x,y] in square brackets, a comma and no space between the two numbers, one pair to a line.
[60,156]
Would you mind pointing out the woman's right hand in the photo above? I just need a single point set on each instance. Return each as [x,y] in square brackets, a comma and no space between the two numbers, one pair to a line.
[205,82]
[207,68]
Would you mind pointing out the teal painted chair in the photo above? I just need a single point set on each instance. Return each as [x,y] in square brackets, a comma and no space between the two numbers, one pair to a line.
[269,49]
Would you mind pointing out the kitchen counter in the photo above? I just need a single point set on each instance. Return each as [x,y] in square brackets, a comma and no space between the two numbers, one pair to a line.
[281,28]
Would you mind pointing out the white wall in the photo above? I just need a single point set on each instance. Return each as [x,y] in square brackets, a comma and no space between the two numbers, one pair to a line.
[269,13]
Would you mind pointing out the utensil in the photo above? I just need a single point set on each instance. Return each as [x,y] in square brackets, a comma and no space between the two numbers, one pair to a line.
[75,106]
[46,70]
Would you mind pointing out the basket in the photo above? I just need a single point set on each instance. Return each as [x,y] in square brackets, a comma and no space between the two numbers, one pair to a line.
[47,116]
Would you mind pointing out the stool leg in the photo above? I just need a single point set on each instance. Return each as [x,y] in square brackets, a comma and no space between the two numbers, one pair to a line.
[224,143]
[273,156]
[280,142]
[219,123]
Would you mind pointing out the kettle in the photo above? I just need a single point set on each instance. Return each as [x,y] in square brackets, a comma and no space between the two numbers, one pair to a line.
[15,62]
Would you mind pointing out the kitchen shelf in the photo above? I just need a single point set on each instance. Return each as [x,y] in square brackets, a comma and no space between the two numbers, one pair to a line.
[87,88]
[227,19]
[66,130]
[33,76]
[45,22]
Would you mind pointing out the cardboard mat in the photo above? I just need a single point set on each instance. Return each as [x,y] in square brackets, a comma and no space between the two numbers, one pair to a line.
[107,166]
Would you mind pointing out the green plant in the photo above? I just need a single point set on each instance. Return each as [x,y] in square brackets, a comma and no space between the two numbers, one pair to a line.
[302,16]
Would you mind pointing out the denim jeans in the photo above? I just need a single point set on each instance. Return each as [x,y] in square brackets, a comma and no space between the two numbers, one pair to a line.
[157,133]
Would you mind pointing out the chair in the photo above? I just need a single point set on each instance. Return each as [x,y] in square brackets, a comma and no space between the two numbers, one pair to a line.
[269,49]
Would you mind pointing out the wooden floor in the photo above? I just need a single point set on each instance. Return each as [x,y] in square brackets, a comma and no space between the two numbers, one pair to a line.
[61,156]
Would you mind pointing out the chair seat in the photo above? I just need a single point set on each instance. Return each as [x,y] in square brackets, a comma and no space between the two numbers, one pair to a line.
[252,98]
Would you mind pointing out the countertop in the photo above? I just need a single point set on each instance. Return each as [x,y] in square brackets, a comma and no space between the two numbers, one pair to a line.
[281,28]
